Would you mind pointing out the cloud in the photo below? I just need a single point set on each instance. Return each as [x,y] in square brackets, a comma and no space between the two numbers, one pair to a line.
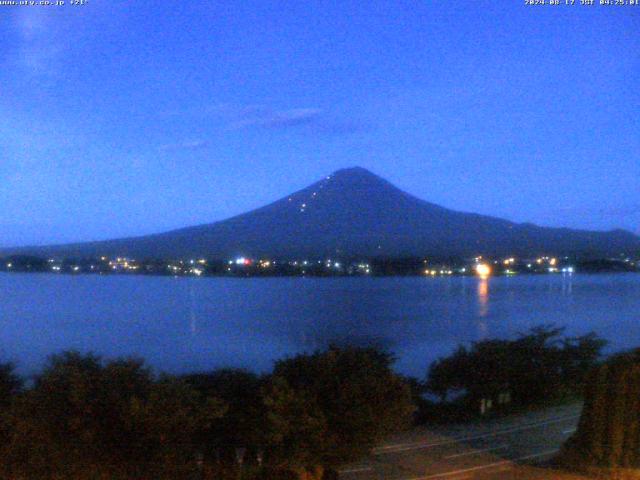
[259,116]
[39,49]
[189,145]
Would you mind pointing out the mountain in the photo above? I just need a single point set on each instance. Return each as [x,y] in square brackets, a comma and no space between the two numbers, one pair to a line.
[353,212]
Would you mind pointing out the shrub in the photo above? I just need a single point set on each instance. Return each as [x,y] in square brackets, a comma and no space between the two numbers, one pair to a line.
[535,367]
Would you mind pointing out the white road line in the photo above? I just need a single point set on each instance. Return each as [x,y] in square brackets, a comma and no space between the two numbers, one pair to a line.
[355,470]
[484,467]
[402,447]
[475,452]
[566,432]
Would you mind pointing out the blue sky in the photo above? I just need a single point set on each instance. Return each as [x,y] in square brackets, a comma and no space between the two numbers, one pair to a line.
[125,118]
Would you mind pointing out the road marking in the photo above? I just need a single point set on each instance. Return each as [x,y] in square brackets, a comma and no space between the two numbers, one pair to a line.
[484,467]
[355,470]
[475,452]
[566,432]
[402,447]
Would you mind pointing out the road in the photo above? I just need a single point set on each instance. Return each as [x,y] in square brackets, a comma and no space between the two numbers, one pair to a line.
[503,448]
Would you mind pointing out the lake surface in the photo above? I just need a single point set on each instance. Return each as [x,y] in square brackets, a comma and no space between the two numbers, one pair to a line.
[188,324]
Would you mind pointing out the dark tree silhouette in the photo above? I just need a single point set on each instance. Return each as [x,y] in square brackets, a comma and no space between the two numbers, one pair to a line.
[535,367]
[608,433]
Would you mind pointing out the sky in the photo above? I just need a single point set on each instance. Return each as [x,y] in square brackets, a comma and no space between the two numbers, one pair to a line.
[126,118]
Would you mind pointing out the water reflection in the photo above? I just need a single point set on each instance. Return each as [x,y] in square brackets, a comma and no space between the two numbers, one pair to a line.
[483,307]
[567,284]
[193,315]
[483,297]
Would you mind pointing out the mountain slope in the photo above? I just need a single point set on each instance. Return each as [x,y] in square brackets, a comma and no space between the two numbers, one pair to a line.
[356,213]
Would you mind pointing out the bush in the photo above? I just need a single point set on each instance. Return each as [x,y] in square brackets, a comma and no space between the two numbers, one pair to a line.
[343,402]
[243,422]
[87,418]
[535,367]
[83,418]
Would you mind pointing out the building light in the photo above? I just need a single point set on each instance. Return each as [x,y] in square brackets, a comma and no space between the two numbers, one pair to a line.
[483,270]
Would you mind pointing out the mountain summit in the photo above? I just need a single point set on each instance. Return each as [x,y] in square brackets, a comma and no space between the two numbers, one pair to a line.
[353,212]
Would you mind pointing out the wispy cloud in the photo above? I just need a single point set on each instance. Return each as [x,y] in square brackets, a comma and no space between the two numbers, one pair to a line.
[188,145]
[258,116]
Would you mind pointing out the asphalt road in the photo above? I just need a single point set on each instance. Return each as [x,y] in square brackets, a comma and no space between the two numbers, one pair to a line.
[500,448]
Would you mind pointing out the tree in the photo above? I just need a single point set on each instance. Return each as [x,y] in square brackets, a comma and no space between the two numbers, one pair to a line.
[10,386]
[85,419]
[608,433]
[536,366]
[243,423]
[354,399]
[296,428]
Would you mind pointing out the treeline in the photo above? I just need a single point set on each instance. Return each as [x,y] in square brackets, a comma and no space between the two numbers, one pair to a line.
[537,367]
[83,417]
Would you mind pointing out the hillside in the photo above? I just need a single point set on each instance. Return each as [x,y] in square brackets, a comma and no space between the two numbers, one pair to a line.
[353,212]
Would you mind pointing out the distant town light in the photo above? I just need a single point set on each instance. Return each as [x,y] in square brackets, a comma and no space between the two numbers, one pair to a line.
[483,270]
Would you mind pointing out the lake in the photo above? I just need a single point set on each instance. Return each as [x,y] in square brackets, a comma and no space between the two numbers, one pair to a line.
[191,324]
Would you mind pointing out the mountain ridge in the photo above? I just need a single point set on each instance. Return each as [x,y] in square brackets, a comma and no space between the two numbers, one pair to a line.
[353,212]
